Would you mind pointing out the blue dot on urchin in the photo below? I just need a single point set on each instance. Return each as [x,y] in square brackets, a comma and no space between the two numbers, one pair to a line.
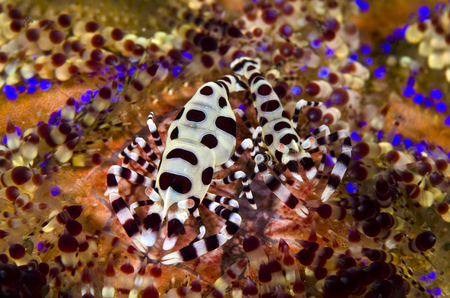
[408,143]
[418,99]
[296,90]
[176,71]
[55,191]
[11,94]
[365,49]
[436,94]
[45,85]
[352,187]
[323,72]
[441,107]
[33,81]
[355,136]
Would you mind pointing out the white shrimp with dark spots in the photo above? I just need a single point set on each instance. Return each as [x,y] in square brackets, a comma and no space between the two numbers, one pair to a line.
[278,134]
[201,140]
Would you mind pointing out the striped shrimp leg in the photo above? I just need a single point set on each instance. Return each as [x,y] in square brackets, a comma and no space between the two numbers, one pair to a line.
[339,169]
[128,219]
[208,244]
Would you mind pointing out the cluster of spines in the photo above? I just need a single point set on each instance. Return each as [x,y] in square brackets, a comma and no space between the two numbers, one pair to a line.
[395,188]
[428,34]
[67,46]
[432,36]
[326,271]
[421,178]
[276,30]
[71,258]
[328,73]
[413,181]
[55,142]
[30,159]
[200,42]
[56,48]
[323,271]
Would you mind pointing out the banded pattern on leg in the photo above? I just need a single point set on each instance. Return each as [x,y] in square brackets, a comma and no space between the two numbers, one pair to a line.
[271,163]
[246,144]
[244,119]
[298,107]
[155,133]
[201,226]
[341,164]
[175,227]
[128,218]
[148,167]
[194,250]
[309,144]
[257,136]
[201,247]
[140,142]
[317,131]
[151,226]
[339,169]
[279,189]
[257,141]
[130,175]
[218,209]
[256,133]
[324,157]
[224,201]
[245,181]
[333,156]
[315,145]
[278,172]
[151,223]
[308,165]
[125,216]
[328,139]
[140,204]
